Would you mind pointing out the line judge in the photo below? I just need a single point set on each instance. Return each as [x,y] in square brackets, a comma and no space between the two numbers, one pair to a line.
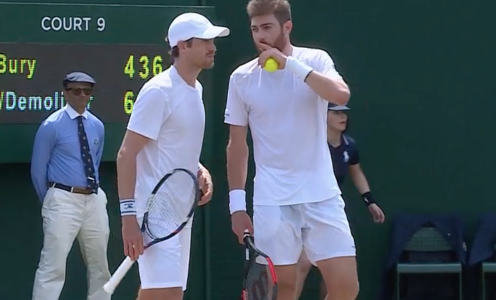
[64,168]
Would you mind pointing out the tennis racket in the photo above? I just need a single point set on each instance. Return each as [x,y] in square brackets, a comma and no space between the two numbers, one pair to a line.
[260,280]
[169,208]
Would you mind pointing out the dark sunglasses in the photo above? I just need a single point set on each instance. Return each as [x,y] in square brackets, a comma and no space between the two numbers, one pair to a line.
[78,91]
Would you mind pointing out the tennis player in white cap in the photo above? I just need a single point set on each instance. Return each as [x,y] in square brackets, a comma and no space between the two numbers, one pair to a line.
[165,131]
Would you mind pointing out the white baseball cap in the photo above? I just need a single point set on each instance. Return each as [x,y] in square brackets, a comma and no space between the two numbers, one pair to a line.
[192,25]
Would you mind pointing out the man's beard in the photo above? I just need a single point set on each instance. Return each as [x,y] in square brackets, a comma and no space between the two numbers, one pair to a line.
[204,64]
[279,43]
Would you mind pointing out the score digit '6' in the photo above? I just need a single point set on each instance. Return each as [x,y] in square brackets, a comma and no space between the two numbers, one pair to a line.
[128,102]
[157,65]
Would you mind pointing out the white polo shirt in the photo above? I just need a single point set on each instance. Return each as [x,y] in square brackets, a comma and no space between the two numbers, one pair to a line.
[171,114]
[287,120]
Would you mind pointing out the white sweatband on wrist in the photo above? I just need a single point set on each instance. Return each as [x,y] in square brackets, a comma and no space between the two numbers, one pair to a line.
[298,68]
[128,207]
[237,201]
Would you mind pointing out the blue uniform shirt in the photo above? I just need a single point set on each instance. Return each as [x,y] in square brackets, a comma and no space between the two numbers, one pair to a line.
[343,156]
[57,151]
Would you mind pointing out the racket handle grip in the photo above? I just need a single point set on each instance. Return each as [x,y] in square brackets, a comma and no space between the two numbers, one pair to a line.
[116,278]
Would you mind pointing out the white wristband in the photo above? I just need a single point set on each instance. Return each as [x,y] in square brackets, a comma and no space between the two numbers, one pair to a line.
[299,68]
[237,201]
[128,207]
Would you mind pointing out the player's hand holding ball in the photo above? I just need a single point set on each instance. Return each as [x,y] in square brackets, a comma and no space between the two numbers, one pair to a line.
[271,59]
[271,65]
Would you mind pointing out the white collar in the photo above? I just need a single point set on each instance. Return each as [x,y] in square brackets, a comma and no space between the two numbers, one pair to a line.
[74,114]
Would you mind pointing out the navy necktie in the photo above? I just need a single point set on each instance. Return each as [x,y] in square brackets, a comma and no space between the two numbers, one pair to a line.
[89,167]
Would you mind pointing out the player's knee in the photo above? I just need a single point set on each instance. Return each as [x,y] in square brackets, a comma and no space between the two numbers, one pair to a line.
[351,290]
[286,290]
[341,278]
[286,282]
[287,278]
[343,290]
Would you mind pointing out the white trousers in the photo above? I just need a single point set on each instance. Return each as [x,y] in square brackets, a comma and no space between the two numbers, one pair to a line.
[67,216]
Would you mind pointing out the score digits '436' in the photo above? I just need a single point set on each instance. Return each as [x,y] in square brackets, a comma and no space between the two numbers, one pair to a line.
[147,66]
[141,67]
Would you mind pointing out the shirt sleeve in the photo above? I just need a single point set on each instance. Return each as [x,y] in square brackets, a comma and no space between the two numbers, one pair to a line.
[44,142]
[151,109]
[236,112]
[325,65]
[353,152]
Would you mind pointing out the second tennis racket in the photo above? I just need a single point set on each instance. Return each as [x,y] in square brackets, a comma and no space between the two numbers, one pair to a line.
[169,208]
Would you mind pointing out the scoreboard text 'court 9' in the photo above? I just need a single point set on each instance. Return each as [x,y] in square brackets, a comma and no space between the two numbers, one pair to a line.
[44,42]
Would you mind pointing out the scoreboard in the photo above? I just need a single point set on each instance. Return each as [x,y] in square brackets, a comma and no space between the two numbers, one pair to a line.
[120,46]
[32,73]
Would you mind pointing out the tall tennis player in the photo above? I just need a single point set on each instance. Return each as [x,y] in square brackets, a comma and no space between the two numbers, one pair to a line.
[297,202]
[165,132]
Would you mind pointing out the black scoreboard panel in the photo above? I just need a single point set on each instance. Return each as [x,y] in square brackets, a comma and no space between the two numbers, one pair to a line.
[32,74]
[120,46]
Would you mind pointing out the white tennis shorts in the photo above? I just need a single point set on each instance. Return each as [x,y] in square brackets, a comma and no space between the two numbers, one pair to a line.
[166,264]
[320,228]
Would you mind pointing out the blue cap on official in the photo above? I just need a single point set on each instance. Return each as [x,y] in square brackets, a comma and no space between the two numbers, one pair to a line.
[78,77]
[335,107]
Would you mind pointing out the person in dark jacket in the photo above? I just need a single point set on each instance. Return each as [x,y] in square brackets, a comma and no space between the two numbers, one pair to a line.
[345,161]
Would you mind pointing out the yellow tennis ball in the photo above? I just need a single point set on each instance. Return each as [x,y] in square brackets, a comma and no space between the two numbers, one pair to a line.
[271,65]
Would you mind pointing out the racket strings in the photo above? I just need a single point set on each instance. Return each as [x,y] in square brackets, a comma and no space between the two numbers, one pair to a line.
[171,205]
[259,282]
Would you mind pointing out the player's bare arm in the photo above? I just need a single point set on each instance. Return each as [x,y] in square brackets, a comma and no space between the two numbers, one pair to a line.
[237,157]
[359,179]
[332,89]
[329,87]
[126,181]
[362,185]
[206,184]
[237,169]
